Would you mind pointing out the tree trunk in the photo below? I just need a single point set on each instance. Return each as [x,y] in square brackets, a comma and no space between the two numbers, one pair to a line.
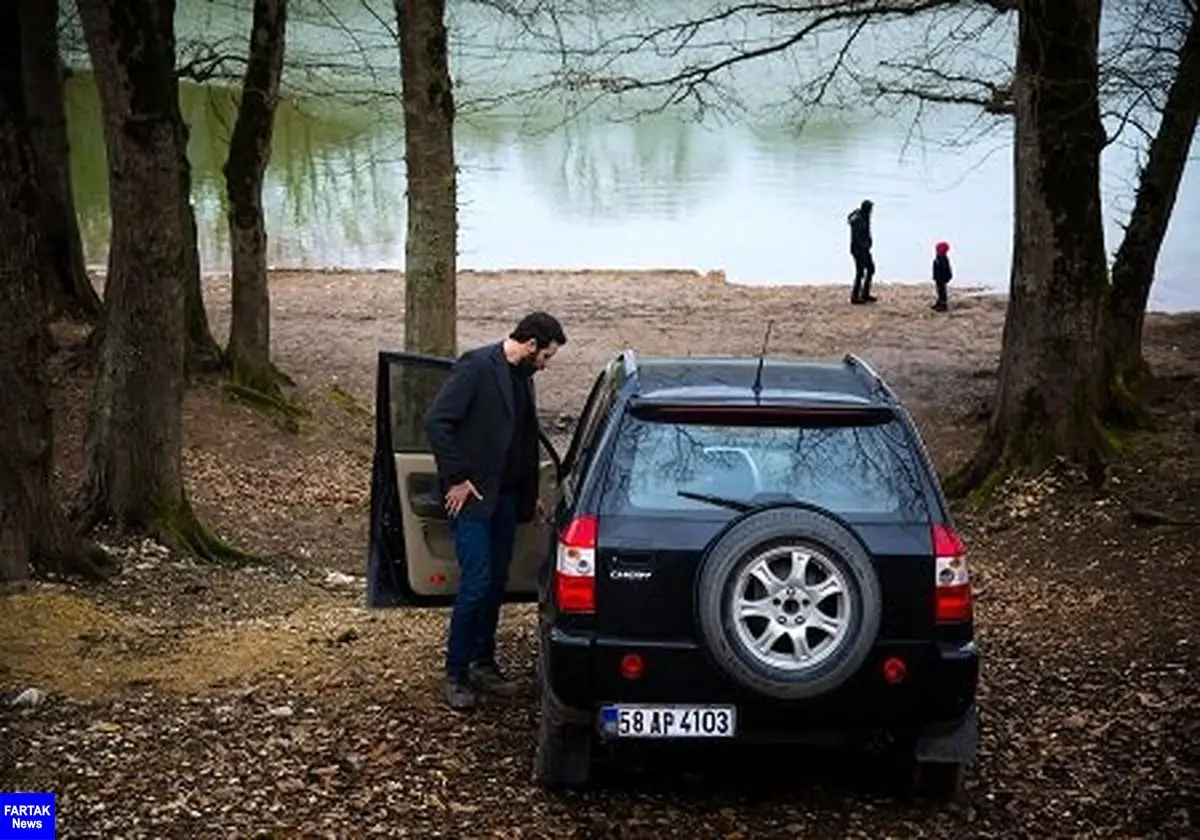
[1050,384]
[1158,187]
[430,316]
[33,527]
[202,353]
[249,353]
[134,440]
[70,290]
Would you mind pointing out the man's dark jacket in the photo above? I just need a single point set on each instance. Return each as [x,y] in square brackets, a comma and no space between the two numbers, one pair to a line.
[860,232]
[470,425]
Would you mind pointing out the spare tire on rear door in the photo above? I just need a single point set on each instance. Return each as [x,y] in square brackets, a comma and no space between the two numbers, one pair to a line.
[788,602]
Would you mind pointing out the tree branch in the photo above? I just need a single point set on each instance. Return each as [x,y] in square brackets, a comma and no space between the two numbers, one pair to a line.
[993,97]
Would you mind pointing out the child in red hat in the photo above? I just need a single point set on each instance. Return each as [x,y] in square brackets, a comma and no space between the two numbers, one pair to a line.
[941,274]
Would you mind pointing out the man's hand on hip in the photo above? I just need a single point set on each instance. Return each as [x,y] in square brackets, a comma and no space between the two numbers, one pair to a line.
[457,496]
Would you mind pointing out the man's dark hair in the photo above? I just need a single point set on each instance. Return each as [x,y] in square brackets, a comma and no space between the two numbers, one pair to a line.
[543,327]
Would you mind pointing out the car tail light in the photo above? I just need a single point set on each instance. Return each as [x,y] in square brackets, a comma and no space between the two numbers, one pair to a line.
[632,666]
[894,669]
[952,580]
[575,571]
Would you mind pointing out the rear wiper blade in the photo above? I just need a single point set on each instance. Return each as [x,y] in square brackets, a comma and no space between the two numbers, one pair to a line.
[739,505]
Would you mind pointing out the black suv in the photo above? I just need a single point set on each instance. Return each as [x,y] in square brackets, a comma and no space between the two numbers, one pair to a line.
[744,549]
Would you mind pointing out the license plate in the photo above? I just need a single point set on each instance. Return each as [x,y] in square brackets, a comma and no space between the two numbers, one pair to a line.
[643,721]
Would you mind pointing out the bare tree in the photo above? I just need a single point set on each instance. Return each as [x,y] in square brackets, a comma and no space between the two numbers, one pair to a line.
[702,50]
[34,530]
[1158,186]
[135,434]
[430,254]
[1051,390]
[70,289]
[1150,98]
[249,352]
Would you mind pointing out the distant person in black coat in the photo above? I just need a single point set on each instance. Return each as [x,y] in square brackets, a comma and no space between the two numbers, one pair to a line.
[941,275]
[860,249]
[483,430]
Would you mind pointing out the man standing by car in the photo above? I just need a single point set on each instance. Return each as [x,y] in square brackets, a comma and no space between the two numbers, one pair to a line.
[860,249]
[483,430]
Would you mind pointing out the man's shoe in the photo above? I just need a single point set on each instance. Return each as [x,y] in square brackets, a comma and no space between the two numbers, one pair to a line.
[869,298]
[487,678]
[459,695]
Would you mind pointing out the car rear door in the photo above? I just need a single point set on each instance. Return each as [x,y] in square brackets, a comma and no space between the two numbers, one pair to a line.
[411,559]
[855,463]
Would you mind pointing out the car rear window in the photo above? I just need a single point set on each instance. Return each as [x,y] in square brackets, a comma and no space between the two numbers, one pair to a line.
[861,470]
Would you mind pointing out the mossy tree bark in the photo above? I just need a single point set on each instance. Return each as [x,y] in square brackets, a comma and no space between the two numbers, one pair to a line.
[248,355]
[69,289]
[1051,389]
[134,441]
[34,531]
[1133,266]
[430,255]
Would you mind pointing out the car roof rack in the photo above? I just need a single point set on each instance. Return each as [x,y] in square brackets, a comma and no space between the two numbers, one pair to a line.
[629,360]
[864,370]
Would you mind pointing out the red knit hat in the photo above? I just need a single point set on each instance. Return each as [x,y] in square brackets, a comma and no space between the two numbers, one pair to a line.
[942,247]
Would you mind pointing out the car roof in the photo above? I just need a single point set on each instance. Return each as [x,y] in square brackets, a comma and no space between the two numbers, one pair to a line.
[720,379]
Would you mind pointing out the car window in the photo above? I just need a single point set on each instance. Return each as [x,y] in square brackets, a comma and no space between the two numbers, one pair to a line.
[413,383]
[857,471]
[600,402]
[587,441]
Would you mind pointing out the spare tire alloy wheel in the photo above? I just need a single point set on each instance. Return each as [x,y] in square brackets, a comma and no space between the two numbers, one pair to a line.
[789,602]
[791,607]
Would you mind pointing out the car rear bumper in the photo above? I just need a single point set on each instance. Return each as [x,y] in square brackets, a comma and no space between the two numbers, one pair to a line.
[936,692]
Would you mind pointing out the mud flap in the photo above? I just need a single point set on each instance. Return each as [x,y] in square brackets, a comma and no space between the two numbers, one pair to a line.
[957,745]
[559,712]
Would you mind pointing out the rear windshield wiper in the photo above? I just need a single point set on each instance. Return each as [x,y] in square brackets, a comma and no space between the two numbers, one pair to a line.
[760,500]
[739,505]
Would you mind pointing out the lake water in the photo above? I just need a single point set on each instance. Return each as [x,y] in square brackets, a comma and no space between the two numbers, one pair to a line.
[749,195]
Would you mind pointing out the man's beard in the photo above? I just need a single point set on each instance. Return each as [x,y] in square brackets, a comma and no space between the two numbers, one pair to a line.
[527,367]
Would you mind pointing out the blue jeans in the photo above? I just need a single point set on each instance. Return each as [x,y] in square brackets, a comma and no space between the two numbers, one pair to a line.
[484,549]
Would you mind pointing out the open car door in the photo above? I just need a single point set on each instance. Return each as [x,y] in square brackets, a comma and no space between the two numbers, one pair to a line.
[410,559]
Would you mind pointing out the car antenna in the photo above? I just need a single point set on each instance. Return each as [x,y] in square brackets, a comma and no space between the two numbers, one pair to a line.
[757,387]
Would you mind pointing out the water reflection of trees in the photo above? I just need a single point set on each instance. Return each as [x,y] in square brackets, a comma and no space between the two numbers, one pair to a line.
[334,189]
[327,189]
[851,470]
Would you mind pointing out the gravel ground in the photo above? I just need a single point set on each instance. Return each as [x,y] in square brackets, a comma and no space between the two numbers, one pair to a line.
[183,700]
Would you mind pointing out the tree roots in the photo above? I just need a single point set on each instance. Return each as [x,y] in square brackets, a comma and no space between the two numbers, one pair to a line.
[1127,407]
[183,531]
[261,388]
[1025,450]
[82,558]
[346,401]
[175,525]
[204,357]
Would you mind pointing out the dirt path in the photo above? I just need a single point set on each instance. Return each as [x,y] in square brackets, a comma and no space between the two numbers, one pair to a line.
[189,701]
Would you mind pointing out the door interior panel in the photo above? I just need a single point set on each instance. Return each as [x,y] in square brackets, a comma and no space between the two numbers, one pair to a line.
[429,540]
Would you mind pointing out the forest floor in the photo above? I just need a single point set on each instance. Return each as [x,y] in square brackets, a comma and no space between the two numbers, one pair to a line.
[185,700]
